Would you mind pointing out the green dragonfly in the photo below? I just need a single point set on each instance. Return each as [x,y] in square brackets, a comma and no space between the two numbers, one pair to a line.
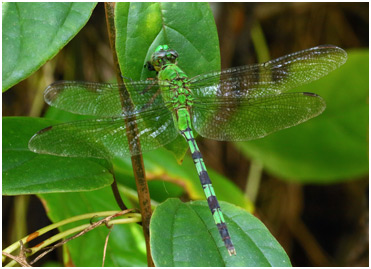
[235,104]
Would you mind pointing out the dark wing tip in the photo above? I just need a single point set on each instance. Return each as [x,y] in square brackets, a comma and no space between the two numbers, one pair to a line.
[44,130]
[310,94]
[321,104]
[33,142]
[343,56]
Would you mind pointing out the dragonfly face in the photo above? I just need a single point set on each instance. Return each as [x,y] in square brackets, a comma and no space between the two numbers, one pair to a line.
[162,56]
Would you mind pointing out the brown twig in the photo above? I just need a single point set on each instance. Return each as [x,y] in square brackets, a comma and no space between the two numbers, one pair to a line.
[88,229]
[116,193]
[21,260]
[137,160]
[106,243]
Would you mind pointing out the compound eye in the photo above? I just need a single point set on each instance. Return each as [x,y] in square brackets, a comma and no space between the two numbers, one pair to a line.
[172,56]
[161,54]
[174,53]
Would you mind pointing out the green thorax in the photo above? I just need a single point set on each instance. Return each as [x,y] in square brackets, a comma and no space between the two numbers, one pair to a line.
[173,81]
[175,86]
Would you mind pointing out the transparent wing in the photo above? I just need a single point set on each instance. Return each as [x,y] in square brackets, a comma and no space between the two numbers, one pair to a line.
[273,77]
[237,119]
[104,99]
[105,137]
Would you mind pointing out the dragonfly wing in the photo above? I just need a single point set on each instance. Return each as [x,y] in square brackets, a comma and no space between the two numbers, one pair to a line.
[105,137]
[273,77]
[237,119]
[103,99]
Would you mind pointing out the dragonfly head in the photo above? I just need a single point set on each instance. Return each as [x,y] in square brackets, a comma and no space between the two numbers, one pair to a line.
[162,56]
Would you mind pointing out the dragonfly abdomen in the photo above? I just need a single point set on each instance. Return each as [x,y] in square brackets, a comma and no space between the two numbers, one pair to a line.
[175,87]
[184,123]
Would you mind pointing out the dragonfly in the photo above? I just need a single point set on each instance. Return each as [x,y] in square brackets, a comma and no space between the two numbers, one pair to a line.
[235,104]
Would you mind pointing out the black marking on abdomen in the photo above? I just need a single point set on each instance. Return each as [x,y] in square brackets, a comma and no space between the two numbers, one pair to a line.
[213,203]
[223,231]
[196,155]
[204,177]
[186,130]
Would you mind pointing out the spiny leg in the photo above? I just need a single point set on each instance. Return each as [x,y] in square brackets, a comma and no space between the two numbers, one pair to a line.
[208,190]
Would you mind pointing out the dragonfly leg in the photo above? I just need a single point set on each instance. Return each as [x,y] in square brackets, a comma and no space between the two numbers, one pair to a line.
[154,83]
[127,78]
[153,98]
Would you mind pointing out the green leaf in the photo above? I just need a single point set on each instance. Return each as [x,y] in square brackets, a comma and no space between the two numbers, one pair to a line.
[186,235]
[160,164]
[332,147]
[35,32]
[141,27]
[166,178]
[25,172]
[126,246]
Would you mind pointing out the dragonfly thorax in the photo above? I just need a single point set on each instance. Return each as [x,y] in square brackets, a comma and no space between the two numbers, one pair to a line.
[175,87]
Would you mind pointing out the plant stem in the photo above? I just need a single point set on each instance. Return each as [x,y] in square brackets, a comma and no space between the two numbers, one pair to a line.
[130,217]
[260,44]
[137,160]
[132,195]
[256,167]
[21,204]
[50,227]
[116,192]
[253,180]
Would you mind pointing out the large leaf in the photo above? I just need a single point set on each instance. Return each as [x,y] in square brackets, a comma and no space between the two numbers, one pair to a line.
[25,172]
[162,169]
[186,235]
[331,147]
[34,33]
[160,164]
[126,245]
[189,28]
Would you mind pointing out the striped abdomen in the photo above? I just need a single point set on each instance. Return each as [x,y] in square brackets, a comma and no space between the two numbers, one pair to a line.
[184,123]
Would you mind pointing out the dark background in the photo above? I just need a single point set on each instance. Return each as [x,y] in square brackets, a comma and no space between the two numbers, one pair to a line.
[318,225]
